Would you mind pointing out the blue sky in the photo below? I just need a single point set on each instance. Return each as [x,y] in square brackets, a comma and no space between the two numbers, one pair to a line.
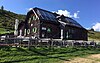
[89,15]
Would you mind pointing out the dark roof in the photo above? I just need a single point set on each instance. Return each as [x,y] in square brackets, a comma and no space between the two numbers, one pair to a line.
[53,17]
[69,21]
[73,22]
[45,15]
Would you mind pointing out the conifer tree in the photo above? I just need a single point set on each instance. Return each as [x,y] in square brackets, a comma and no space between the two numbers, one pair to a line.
[2,8]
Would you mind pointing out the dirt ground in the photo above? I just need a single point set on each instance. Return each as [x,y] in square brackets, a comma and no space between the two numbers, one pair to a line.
[89,59]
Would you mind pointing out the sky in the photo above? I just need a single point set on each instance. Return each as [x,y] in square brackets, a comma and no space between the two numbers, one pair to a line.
[85,12]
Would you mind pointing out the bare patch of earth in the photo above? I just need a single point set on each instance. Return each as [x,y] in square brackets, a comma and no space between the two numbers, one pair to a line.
[89,59]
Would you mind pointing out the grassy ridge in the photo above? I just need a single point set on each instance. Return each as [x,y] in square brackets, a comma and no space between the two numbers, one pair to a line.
[7,19]
[94,35]
[3,31]
[43,55]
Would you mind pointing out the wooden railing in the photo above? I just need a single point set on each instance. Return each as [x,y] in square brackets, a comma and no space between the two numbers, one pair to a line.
[22,42]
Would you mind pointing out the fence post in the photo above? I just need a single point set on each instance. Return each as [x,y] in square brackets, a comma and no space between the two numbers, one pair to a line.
[29,44]
[72,43]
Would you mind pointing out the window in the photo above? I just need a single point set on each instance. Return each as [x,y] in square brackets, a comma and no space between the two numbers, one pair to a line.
[43,28]
[29,21]
[49,30]
[32,18]
[28,31]
[34,30]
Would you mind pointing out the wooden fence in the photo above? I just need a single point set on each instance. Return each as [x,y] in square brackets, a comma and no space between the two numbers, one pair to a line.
[29,42]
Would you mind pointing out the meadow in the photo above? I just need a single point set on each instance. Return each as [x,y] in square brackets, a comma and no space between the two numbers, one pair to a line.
[43,54]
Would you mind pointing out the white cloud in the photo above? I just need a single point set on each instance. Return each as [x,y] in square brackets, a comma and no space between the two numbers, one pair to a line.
[76,14]
[30,9]
[67,13]
[64,12]
[96,27]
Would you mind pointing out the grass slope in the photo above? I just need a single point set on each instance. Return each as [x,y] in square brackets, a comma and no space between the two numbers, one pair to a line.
[94,35]
[7,20]
[43,54]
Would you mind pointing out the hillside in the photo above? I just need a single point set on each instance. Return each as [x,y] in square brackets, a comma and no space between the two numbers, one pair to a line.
[7,19]
[93,35]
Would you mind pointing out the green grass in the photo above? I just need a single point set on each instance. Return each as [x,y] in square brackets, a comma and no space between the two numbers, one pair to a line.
[94,35]
[3,31]
[7,19]
[43,54]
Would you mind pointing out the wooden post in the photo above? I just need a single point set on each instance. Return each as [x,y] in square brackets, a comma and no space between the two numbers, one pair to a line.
[72,43]
[29,44]
[51,42]
[20,40]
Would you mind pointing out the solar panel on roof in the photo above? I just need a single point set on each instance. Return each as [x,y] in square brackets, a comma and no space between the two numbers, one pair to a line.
[39,13]
[46,15]
[73,22]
